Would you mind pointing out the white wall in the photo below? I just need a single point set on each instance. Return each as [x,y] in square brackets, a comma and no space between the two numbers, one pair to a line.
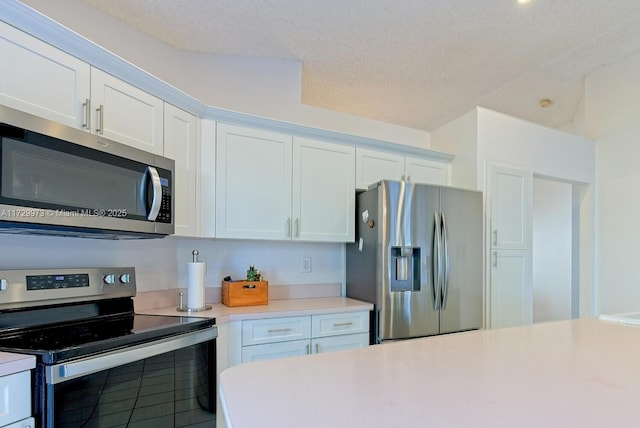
[263,87]
[612,112]
[552,250]
[545,151]
[161,263]
[460,136]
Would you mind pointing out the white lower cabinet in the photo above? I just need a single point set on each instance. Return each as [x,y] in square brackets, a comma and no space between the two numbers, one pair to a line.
[15,399]
[339,343]
[271,351]
[271,338]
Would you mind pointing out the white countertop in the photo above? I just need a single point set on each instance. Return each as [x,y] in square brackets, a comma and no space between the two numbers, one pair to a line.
[14,363]
[581,373]
[275,308]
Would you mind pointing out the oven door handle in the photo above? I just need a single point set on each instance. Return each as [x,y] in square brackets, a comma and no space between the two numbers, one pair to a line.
[66,371]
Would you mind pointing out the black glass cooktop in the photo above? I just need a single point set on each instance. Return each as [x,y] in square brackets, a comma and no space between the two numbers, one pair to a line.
[59,334]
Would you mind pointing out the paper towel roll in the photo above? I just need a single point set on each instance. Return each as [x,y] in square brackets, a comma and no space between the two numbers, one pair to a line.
[195,285]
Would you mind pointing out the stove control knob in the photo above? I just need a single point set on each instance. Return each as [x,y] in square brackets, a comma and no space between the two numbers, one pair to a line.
[109,279]
[125,278]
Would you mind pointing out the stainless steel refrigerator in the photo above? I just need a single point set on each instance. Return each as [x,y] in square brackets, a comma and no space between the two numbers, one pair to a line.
[418,259]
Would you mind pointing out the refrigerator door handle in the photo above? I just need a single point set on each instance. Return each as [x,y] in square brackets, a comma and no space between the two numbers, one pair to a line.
[445,273]
[437,242]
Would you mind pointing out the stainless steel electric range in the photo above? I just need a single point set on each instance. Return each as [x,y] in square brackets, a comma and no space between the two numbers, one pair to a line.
[99,364]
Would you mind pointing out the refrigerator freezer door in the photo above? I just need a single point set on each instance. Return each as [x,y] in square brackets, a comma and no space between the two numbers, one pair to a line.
[462,212]
[405,308]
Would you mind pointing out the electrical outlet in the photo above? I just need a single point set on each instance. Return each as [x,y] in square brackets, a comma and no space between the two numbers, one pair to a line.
[306,264]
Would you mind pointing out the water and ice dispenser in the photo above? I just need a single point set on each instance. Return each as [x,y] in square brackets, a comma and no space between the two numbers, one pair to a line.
[405,274]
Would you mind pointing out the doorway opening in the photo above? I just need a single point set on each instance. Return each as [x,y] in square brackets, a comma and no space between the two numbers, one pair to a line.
[560,236]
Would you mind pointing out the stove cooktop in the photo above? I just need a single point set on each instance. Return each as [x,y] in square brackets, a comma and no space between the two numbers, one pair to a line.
[58,343]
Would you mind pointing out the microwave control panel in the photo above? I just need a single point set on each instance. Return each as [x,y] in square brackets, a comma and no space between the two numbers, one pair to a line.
[164,215]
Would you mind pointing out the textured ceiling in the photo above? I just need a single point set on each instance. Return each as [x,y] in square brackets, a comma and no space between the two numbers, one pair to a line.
[416,63]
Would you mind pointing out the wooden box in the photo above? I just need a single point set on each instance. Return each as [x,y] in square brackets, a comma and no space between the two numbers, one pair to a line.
[245,293]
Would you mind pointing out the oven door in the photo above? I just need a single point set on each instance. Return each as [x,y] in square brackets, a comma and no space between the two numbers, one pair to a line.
[165,383]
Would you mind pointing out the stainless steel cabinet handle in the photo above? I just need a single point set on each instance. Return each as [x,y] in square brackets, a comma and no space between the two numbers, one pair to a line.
[100,111]
[495,237]
[279,330]
[288,227]
[342,324]
[317,348]
[308,348]
[87,114]
[495,259]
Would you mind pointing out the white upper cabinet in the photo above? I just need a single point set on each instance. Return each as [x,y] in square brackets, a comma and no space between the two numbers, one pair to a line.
[373,166]
[418,170]
[274,186]
[181,145]
[39,79]
[49,83]
[124,113]
[253,183]
[323,191]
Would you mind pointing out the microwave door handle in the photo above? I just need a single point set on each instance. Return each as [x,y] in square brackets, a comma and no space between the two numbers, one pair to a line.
[156,188]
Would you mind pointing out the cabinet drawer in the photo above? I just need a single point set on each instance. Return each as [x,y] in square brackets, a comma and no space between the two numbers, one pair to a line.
[339,343]
[272,351]
[342,323]
[255,332]
[15,397]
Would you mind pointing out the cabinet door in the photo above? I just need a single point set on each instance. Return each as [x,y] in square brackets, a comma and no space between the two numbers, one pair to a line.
[426,171]
[339,343]
[15,397]
[181,145]
[323,191]
[511,200]
[124,113]
[276,350]
[253,183]
[373,166]
[511,291]
[41,80]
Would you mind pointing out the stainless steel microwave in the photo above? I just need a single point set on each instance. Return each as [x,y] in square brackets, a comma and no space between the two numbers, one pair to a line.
[57,180]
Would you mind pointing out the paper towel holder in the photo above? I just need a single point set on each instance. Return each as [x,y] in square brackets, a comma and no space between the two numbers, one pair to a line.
[181,307]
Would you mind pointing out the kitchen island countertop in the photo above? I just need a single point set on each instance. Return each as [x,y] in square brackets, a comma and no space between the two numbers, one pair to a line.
[580,373]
